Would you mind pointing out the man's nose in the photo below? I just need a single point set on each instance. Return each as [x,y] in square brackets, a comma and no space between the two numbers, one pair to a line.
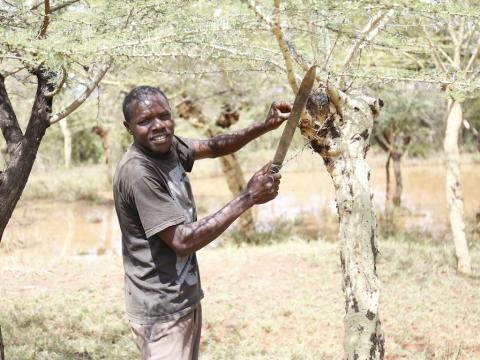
[157,124]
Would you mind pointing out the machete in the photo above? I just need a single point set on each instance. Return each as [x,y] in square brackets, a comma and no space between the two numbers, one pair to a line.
[292,122]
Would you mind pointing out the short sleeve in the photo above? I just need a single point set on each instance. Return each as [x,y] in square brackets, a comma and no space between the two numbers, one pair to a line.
[186,152]
[156,208]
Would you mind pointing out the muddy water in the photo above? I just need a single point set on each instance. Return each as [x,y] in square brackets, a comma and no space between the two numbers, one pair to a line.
[305,198]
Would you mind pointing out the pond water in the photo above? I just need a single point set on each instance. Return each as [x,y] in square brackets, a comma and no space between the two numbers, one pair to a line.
[87,229]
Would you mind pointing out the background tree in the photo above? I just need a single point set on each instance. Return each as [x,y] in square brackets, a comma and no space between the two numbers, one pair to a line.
[403,123]
[454,41]
[28,53]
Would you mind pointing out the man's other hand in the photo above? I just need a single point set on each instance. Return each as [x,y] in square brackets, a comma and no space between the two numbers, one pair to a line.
[263,186]
[278,113]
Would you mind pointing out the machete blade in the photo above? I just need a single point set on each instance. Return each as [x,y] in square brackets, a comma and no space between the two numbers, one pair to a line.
[292,122]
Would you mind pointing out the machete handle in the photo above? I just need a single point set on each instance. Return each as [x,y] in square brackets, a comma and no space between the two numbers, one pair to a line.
[275,168]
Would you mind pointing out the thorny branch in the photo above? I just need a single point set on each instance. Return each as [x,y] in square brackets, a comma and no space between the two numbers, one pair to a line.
[46,20]
[81,99]
[47,11]
[436,58]
[56,7]
[473,57]
[371,30]
[277,31]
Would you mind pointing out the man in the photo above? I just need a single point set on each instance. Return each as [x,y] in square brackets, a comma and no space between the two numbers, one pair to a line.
[160,230]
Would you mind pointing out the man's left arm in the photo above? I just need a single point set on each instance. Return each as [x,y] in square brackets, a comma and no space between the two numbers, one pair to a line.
[228,143]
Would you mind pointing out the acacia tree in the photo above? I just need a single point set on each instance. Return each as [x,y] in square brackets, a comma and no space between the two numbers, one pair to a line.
[405,121]
[338,125]
[76,42]
[22,144]
[454,40]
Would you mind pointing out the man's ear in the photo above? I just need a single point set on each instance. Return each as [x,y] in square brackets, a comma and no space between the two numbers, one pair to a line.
[127,126]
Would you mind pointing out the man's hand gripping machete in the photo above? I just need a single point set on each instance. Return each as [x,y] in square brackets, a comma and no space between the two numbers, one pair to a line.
[292,122]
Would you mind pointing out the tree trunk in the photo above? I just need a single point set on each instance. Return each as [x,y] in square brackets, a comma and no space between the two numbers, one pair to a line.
[2,347]
[397,171]
[454,187]
[22,149]
[388,205]
[387,179]
[67,142]
[103,134]
[342,138]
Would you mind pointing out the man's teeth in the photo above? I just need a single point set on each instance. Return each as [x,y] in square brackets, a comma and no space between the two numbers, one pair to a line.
[158,137]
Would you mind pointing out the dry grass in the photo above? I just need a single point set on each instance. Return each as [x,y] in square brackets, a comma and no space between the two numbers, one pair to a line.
[281,301]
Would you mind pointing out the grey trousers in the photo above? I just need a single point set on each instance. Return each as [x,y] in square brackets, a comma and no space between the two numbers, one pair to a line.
[173,340]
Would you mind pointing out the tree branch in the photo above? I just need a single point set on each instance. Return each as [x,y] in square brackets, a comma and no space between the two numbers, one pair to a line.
[452,31]
[469,35]
[61,6]
[446,56]
[436,59]
[56,7]
[383,142]
[473,57]
[49,10]
[236,53]
[46,20]
[371,30]
[252,5]
[277,31]
[42,106]
[8,120]
[81,99]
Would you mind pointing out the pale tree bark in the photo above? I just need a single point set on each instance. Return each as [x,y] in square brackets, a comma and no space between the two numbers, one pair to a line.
[341,137]
[453,186]
[397,171]
[231,169]
[67,143]
[339,129]
[389,218]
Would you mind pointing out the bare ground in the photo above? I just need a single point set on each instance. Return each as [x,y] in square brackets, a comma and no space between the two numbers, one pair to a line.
[281,301]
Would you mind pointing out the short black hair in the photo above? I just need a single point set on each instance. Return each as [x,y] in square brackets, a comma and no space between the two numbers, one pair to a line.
[137,94]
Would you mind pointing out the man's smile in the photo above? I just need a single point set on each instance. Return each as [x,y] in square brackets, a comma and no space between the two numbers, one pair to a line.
[159,137]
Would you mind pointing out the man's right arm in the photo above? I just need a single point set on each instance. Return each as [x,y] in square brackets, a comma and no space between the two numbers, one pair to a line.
[184,239]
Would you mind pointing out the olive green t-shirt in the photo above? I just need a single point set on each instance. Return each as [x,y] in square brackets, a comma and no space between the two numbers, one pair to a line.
[151,193]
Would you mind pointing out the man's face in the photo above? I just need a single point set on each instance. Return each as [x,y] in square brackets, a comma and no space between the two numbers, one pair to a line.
[151,124]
